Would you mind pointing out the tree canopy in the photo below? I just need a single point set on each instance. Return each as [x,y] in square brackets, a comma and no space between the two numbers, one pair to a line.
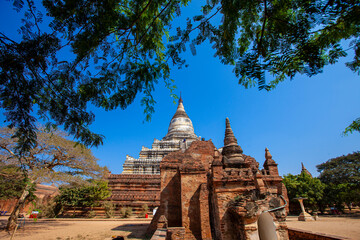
[122,48]
[338,183]
[83,195]
[12,182]
[342,176]
[303,185]
[343,169]
[53,159]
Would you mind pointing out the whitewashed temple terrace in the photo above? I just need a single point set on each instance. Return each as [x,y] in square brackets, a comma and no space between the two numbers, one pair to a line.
[180,135]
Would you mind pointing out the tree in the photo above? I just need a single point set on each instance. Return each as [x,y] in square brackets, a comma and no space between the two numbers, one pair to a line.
[339,194]
[85,195]
[120,50]
[35,74]
[281,38]
[342,176]
[53,159]
[303,185]
[96,192]
[12,182]
[343,169]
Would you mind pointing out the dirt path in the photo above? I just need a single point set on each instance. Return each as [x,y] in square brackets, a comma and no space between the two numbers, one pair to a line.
[340,226]
[97,229]
[79,229]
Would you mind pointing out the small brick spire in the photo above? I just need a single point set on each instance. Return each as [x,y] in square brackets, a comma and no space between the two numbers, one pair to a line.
[267,154]
[232,152]
[268,158]
[303,169]
[270,164]
[230,139]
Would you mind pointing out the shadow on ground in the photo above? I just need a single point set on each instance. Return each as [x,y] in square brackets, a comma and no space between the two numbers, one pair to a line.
[30,226]
[136,230]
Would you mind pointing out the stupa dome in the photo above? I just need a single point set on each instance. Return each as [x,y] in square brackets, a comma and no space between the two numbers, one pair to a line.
[180,126]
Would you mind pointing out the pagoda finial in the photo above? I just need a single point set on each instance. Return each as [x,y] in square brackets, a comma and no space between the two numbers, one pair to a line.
[270,165]
[180,99]
[230,139]
[268,158]
[229,135]
[180,108]
[267,154]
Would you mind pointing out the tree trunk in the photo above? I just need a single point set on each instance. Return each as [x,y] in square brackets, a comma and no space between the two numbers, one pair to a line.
[12,221]
[349,205]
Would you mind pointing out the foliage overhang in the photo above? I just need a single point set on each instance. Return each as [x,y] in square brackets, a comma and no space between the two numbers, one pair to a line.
[121,49]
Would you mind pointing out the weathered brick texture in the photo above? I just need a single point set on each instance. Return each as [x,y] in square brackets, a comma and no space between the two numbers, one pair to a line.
[297,234]
[134,191]
[220,195]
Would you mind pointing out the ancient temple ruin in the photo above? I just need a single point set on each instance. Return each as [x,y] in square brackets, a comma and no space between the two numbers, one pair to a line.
[223,195]
[139,183]
[180,135]
[131,190]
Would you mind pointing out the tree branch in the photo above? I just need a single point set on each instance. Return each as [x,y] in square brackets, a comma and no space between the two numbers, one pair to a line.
[31,4]
[263,28]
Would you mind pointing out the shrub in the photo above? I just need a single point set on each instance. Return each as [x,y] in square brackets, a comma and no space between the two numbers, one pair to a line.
[91,214]
[49,209]
[126,212]
[144,210]
[109,209]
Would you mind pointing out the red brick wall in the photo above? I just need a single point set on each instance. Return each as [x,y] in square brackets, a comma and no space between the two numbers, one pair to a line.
[190,203]
[171,197]
[297,234]
[130,190]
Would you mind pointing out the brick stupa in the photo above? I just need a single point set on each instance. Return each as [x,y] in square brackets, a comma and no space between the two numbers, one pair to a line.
[208,194]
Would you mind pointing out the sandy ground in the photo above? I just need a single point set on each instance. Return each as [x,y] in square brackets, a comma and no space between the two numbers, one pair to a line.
[79,229]
[339,226]
[97,229]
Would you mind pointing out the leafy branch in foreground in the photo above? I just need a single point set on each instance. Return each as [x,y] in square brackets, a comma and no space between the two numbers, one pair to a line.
[119,49]
[278,38]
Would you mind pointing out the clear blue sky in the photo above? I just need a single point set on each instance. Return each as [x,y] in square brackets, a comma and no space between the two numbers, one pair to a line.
[300,121]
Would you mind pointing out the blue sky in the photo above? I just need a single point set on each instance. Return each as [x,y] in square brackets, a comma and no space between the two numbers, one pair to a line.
[300,121]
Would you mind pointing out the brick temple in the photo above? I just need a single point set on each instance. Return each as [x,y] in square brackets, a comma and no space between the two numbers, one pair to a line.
[222,194]
[203,192]
[180,135]
[139,183]
[131,190]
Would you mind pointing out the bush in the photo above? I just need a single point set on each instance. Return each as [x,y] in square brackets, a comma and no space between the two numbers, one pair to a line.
[91,214]
[144,210]
[126,212]
[109,209]
[49,209]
